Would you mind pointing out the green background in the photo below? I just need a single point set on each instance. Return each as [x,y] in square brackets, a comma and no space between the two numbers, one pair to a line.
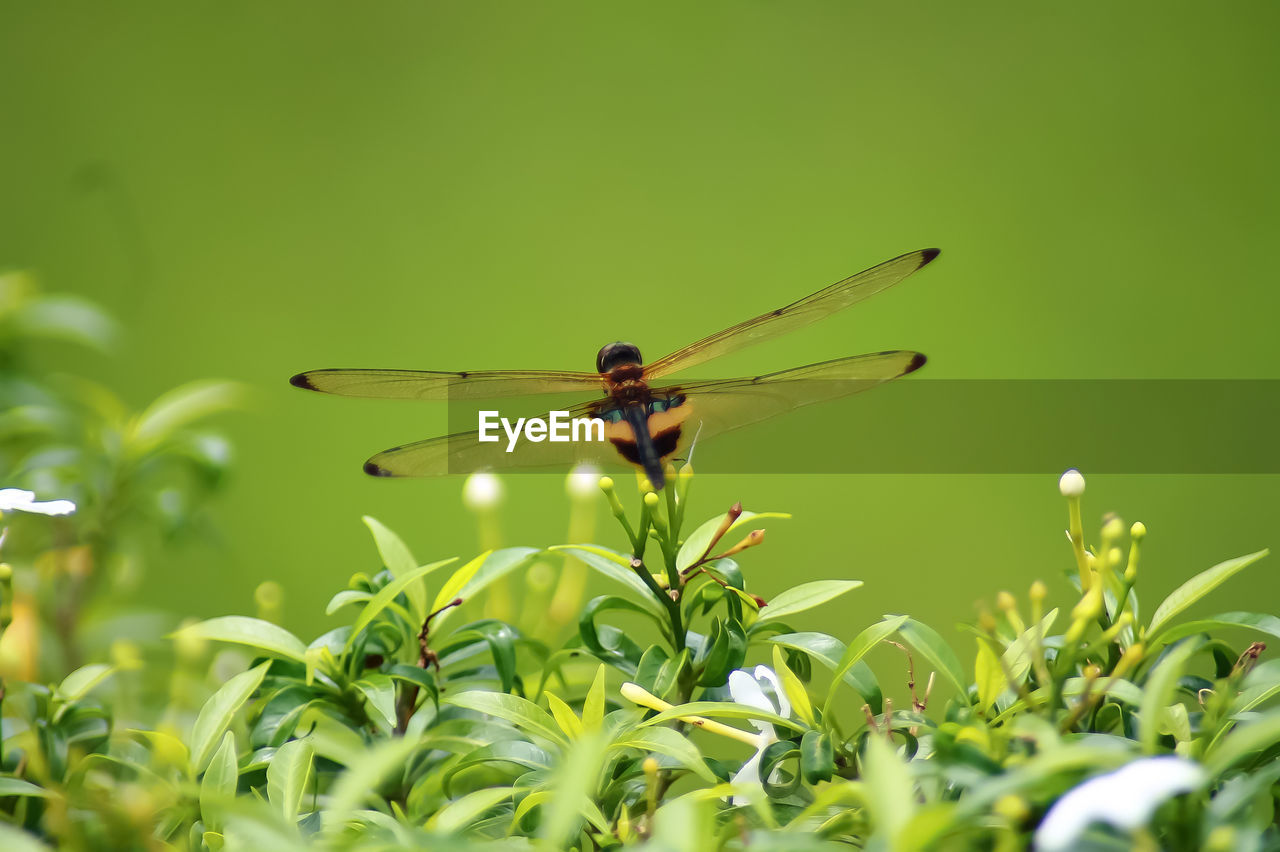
[257,189]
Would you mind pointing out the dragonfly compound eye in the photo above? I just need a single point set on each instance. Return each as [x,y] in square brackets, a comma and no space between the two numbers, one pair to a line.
[617,354]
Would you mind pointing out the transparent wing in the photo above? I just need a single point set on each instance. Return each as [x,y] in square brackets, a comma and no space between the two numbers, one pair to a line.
[716,407]
[464,452]
[707,409]
[823,303]
[427,384]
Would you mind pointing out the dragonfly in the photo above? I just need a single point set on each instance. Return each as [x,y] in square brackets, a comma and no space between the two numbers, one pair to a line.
[647,419]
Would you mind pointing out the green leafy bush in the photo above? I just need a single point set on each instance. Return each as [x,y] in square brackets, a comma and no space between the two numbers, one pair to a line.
[411,726]
[683,712]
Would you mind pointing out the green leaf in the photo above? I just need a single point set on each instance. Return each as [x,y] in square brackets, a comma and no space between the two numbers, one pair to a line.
[1260,685]
[890,797]
[462,813]
[671,743]
[829,651]
[1019,654]
[499,564]
[218,787]
[399,561]
[1245,740]
[1158,692]
[988,675]
[365,773]
[452,586]
[1267,624]
[858,648]
[817,757]
[926,641]
[216,714]
[721,709]
[804,596]
[403,583]
[182,406]
[593,706]
[14,839]
[696,544]
[79,683]
[289,776]
[18,787]
[574,782]
[346,597]
[380,691]
[793,687]
[1197,587]
[564,716]
[521,712]
[254,632]
[617,567]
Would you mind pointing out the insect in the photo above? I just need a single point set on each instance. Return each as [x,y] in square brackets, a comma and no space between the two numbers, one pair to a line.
[645,420]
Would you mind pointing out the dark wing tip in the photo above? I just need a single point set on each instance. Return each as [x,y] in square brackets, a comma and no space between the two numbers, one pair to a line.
[301,381]
[917,361]
[374,469]
[928,255]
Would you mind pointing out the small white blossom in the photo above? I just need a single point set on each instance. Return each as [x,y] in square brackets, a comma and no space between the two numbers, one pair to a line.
[583,482]
[747,689]
[1125,799]
[17,500]
[1071,484]
[482,491]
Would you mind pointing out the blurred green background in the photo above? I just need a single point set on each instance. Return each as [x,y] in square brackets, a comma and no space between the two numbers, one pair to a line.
[257,189]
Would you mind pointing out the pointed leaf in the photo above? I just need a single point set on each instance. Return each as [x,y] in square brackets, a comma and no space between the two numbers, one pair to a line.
[216,714]
[399,561]
[254,632]
[1197,587]
[804,596]
[289,776]
[403,583]
[696,543]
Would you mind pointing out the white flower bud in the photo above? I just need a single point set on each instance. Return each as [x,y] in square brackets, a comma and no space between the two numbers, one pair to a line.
[582,482]
[1071,484]
[481,492]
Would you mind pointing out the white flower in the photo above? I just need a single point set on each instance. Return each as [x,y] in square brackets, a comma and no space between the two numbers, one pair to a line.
[1071,484]
[1125,799]
[747,690]
[482,491]
[17,500]
[583,482]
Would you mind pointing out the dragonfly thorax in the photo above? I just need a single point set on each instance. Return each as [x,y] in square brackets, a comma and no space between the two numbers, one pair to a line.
[614,355]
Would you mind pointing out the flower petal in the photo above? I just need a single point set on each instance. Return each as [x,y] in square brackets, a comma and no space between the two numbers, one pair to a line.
[1125,798]
[746,691]
[51,507]
[748,777]
[15,498]
[766,673]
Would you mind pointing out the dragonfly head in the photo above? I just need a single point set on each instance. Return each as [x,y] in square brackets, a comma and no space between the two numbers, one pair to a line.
[616,354]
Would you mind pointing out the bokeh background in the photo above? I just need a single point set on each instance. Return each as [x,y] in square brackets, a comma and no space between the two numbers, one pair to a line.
[257,189]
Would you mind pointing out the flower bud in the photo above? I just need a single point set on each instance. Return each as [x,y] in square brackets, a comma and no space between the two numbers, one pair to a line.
[1071,484]
[1012,807]
[581,482]
[1038,591]
[651,499]
[482,492]
[1138,531]
[1005,602]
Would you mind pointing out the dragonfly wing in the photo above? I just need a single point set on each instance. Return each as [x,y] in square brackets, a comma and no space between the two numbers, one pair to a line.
[464,452]
[716,407]
[427,384]
[823,303]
